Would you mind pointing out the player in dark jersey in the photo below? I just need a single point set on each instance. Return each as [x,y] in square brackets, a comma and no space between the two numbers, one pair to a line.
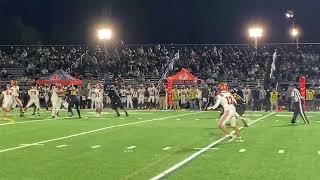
[73,99]
[240,106]
[115,99]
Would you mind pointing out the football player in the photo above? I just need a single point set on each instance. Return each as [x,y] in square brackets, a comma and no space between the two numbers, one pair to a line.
[116,100]
[58,93]
[16,101]
[226,99]
[99,98]
[7,102]
[33,100]
[240,107]
[73,99]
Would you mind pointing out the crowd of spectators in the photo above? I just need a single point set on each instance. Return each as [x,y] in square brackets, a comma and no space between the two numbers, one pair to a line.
[217,63]
[37,61]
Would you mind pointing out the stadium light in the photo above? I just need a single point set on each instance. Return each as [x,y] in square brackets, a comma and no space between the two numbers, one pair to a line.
[289,14]
[295,34]
[104,34]
[256,33]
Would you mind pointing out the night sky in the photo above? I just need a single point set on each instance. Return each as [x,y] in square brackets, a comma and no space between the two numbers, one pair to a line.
[163,21]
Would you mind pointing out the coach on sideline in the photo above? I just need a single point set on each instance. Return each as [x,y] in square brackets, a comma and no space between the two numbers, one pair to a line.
[297,106]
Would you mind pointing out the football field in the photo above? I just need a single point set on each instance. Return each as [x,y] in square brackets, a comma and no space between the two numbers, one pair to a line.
[150,144]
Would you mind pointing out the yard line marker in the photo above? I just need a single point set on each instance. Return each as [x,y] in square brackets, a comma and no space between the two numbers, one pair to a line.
[203,148]
[197,119]
[31,144]
[166,148]
[96,130]
[60,146]
[281,151]
[33,121]
[196,154]
[242,150]
[94,147]
[131,147]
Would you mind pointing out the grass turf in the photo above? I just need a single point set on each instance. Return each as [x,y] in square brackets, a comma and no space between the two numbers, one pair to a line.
[154,130]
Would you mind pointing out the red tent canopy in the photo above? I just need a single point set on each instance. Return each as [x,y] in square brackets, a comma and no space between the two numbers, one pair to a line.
[60,76]
[183,75]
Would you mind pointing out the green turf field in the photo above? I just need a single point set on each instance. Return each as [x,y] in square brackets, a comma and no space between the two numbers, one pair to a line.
[147,143]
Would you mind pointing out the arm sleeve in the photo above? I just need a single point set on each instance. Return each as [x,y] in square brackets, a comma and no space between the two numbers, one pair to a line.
[218,101]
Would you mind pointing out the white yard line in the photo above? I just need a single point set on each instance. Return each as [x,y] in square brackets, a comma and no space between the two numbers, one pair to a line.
[196,154]
[131,147]
[32,144]
[95,130]
[94,147]
[242,150]
[60,146]
[203,148]
[281,151]
[46,119]
[166,148]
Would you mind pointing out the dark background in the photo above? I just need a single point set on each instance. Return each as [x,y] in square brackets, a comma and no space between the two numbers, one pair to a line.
[154,21]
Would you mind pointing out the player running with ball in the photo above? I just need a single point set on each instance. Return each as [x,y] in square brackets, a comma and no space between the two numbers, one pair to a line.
[227,101]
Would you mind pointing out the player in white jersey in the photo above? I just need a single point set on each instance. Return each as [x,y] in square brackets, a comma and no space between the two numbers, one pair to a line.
[99,98]
[157,96]
[152,93]
[122,92]
[129,95]
[141,96]
[57,93]
[16,101]
[7,101]
[227,101]
[34,99]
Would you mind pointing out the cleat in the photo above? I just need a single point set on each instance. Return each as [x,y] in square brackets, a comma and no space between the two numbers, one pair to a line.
[240,139]
[127,115]
[232,138]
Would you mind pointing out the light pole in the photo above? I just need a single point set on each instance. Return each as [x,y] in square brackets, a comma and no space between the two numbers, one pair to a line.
[290,15]
[255,33]
[295,34]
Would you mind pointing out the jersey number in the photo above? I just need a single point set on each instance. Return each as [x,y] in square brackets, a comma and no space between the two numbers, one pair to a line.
[229,99]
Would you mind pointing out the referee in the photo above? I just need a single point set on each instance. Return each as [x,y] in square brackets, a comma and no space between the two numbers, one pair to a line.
[297,106]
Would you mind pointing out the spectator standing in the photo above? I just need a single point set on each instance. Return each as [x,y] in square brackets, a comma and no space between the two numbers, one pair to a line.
[288,97]
[192,95]
[247,96]
[162,98]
